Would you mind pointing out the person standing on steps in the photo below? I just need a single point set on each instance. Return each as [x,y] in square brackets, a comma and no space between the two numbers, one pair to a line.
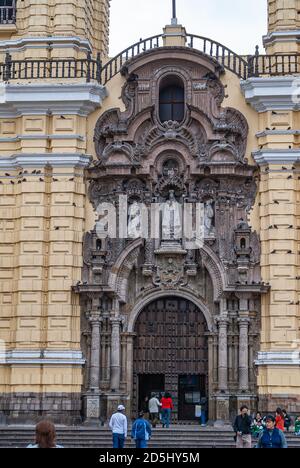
[242,428]
[166,406]
[141,431]
[118,425]
[203,402]
[154,407]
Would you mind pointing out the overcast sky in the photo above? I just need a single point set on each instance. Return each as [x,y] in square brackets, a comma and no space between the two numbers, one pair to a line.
[238,24]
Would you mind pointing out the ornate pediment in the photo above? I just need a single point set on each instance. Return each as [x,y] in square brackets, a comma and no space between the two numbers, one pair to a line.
[209,132]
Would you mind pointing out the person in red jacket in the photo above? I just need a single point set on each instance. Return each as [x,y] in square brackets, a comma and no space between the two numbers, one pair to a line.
[166,407]
[279,420]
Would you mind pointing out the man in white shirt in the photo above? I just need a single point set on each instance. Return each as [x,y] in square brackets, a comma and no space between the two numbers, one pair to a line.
[118,425]
[154,406]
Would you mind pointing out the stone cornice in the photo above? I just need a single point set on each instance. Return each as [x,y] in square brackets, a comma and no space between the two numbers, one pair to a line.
[279,156]
[54,99]
[278,358]
[272,93]
[38,357]
[41,160]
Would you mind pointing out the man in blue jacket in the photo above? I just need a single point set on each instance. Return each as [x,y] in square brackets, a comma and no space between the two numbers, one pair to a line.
[141,431]
[271,437]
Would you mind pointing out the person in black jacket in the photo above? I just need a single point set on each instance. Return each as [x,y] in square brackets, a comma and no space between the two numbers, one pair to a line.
[287,420]
[242,428]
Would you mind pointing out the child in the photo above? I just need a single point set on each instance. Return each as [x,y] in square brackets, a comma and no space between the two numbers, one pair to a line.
[297,426]
[258,425]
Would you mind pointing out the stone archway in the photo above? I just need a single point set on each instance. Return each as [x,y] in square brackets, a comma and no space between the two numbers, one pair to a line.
[171,353]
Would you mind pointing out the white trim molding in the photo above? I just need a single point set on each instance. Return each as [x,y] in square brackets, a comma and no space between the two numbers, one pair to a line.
[50,99]
[282,36]
[278,358]
[17,45]
[265,133]
[38,357]
[69,136]
[272,93]
[279,156]
[41,160]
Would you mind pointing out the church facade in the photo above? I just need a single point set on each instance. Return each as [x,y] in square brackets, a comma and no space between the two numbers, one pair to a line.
[106,297]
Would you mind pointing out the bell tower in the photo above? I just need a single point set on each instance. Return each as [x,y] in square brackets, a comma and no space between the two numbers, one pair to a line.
[283,27]
[66,28]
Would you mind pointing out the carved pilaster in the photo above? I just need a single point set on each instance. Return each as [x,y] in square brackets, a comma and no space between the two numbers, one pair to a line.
[115,361]
[95,322]
[222,322]
[243,354]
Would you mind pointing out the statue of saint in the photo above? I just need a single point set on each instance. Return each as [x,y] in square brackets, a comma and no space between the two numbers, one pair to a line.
[171,218]
[134,228]
[209,215]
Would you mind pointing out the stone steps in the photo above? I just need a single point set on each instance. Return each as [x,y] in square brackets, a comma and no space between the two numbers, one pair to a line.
[175,437]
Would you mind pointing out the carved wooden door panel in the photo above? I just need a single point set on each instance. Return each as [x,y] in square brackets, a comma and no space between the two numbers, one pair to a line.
[170,341]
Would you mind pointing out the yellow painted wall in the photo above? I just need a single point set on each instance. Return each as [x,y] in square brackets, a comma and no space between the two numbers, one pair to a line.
[84,19]
[283,15]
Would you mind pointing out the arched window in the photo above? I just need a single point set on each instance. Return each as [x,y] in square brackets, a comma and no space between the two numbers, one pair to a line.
[171,100]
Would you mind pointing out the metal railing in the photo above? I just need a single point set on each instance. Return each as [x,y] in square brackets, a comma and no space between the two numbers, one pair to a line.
[8,13]
[222,54]
[273,65]
[114,66]
[88,69]
[91,69]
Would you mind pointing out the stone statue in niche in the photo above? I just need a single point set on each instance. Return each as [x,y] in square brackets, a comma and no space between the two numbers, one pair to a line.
[134,228]
[171,218]
[209,215]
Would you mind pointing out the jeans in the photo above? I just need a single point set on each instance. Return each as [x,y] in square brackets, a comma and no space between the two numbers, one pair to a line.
[118,440]
[203,418]
[166,415]
[141,443]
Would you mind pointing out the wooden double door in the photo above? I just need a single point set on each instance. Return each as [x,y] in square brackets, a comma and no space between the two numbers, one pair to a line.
[171,355]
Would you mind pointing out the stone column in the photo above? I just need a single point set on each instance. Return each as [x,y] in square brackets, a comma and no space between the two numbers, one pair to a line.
[95,322]
[129,368]
[223,358]
[115,366]
[92,397]
[243,354]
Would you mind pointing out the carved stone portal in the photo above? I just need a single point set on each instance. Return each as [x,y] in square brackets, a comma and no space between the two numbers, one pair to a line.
[199,159]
